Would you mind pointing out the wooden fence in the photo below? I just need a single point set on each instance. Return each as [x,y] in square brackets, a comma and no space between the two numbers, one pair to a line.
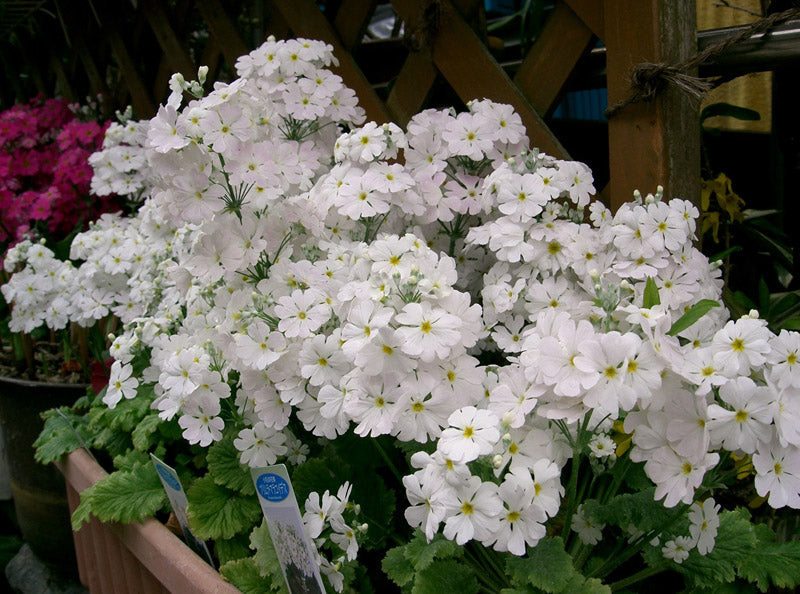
[127,51]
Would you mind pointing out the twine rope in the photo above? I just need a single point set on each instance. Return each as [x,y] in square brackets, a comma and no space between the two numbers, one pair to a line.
[648,80]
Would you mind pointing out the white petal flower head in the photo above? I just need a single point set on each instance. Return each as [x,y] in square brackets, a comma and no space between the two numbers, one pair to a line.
[704,522]
[472,433]
[427,332]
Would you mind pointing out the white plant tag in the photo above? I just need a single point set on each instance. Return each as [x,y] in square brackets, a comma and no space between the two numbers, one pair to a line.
[296,553]
[177,499]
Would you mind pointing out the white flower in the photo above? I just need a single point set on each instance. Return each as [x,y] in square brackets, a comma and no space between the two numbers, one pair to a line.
[427,332]
[472,433]
[260,446]
[120,384]
[704,522]
[677,550]
[589,531]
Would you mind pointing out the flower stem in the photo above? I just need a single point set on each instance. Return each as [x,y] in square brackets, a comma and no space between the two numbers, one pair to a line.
[388,460]
[636,577]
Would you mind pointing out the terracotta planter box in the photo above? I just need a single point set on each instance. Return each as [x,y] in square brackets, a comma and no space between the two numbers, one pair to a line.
[132,558]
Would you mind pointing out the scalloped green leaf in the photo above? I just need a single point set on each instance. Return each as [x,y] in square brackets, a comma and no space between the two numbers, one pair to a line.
[421,553]
[446,576]
[58,437]
[735,542]
[215,511]
[243,573]
[548,566]
[143,434]
[225,468]
[125,496]
[395,565]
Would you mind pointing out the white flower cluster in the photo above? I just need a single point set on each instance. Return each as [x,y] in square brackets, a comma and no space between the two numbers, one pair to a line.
[120,166]
[325,524]
[118,275]
[38,289]
[313,274]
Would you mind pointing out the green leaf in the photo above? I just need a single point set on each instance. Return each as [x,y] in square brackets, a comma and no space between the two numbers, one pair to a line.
[725,253]
[697,311]
[772,564]
[225,468]
[128,461]
[735,541]
[143,432]
[266,559]
[446,576]
[651,297]
[639,509]
[421,553]
[728,110]
[395,565]
[58,437]
[243,573]
[548,566]
[125,496]
[320,475]
[215,511]
[231,549]
[581,585]
[82,513]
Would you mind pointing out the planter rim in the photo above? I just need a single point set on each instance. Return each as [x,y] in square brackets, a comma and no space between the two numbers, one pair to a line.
[165,555]
[39,384]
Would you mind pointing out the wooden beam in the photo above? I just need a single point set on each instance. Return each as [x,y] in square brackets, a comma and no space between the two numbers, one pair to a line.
[658,142]
[176,55]
[222,31]
[351,21]
[306,20]
[591,13]
[411,87]
[140,98]
[64,85]
[474,74]
[550,61]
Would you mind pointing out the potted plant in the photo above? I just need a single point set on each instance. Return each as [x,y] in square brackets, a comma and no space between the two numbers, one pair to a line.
[44,362]
[481,379]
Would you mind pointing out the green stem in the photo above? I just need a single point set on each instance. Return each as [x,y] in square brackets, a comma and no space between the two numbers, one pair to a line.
[388,460]
[637,577]
[492,564]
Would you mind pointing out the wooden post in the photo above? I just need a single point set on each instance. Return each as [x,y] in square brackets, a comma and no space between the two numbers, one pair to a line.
[222,30]
[658,142]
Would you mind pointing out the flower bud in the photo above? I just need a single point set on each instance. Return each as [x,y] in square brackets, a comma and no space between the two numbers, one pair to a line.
[497,461]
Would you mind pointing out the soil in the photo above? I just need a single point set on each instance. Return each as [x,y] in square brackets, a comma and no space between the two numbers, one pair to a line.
[50,365]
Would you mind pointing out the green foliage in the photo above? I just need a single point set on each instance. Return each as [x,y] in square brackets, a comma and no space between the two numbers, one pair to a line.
[651,297]
[697,311]
[548,566]
[225,468]
[58,438]
[403,563]
[265,558]
[122,496]
[736,540]
[129,460]
[144,433]
[215,511]
[422,553]
[771,563]
[638,509]
[447,575]
[398,567]
[243,573]
[230,549]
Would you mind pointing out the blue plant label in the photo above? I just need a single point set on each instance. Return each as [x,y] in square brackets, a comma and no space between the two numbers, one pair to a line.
[167,478]
[272,487]
[178,502]
[285,524]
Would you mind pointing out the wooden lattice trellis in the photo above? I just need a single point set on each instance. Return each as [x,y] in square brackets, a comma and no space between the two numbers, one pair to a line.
[648,143]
